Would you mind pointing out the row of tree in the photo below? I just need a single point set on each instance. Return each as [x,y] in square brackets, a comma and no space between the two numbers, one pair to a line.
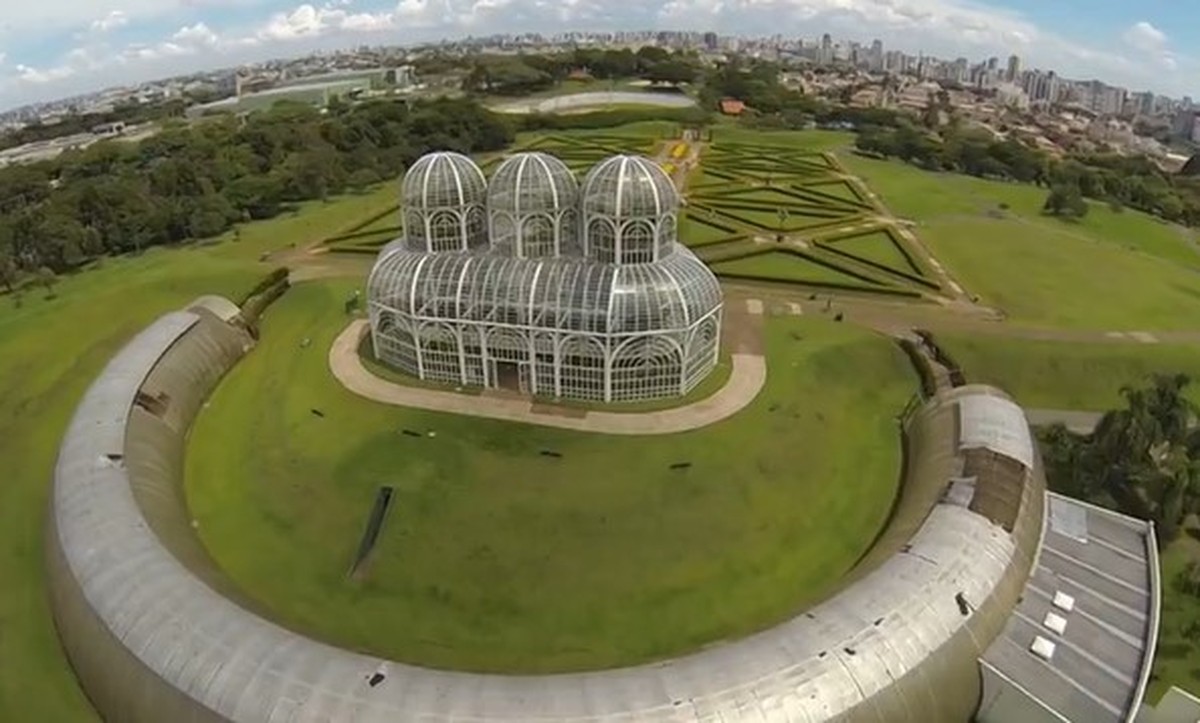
[194,182]
[1142,459]
[528,73]
[1120,180]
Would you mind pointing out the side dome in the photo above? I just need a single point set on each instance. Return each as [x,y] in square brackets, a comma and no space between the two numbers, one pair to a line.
[630,211]
[532,206]
[444,196]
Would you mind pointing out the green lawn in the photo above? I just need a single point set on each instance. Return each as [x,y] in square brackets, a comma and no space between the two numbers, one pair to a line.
[1178,658]
[807,140]
[50,351]
[782,266]
[497,558]
[694,232]
[879,247]
[1055,375]
[1042,270]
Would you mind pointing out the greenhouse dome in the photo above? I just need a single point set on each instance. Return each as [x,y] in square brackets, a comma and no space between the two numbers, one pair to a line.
[629,211]
[445,196]
[533,202]
[530,311]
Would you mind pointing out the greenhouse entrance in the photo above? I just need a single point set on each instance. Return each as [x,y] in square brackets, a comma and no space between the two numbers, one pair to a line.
[509,375]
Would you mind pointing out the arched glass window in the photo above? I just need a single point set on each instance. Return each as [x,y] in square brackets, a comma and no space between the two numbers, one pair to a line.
[637,242]
[601,241]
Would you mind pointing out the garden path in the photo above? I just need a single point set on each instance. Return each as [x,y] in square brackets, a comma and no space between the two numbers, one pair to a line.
[746,380]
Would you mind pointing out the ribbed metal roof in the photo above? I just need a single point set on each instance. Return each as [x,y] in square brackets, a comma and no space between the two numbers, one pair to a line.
[628,187]
[898,644]
[444,180]
[528,183]
[566,294]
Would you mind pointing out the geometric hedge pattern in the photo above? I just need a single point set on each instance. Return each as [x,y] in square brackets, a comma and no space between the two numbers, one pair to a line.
[789,216]
[761,213]
[580,153]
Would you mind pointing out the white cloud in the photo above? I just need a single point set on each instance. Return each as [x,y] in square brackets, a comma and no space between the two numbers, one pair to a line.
[110,22]
[1144,36]
[1152,43]
[947,28]
[308,21]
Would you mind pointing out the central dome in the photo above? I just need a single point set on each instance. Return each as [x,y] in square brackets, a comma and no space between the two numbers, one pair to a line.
[532,199]
[629,210]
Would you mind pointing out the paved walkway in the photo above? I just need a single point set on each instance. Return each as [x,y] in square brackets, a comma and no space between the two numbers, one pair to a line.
[745,382]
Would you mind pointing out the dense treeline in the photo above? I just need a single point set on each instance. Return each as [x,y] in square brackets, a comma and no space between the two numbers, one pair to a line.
[196,182]
[1132,181]
[522,74]
[1143,459]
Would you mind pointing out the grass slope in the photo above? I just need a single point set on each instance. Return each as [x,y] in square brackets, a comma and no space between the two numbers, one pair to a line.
[1042,270]
[50,351]
[878,246]
[1054,375]
[782,266]
[1178,658]
[496,558]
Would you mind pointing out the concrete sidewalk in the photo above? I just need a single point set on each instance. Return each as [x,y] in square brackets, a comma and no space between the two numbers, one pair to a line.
[745,382]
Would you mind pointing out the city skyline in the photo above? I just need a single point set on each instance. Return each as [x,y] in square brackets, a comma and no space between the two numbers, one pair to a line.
[59,58]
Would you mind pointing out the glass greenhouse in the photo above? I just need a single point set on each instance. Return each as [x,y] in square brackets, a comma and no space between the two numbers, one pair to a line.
[536,283]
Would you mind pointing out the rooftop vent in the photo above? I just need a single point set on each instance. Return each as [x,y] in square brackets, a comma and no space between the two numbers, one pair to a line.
[1055,622]
[1042,648]
[1064,602]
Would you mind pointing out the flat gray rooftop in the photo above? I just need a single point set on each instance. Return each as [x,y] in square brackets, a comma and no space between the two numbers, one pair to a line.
[1106,565]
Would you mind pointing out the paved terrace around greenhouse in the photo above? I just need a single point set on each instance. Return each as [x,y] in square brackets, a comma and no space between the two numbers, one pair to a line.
[746,380]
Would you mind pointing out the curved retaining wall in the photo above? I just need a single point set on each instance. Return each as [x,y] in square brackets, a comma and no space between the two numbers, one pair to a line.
[154,632]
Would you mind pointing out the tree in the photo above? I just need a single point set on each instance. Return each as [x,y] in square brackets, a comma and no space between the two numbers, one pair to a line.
[671,72]
[362,178]
[46,279]
[1065,201]
[8,269]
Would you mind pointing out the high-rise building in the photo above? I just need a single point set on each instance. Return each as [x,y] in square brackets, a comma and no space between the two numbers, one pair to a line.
[711,41]
[1014,69]
[1041,87]
[825,54]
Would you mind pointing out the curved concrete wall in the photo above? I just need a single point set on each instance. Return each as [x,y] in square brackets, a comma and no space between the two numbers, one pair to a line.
[155,634]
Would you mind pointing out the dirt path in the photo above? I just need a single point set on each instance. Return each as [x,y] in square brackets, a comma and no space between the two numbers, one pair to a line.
[745,382]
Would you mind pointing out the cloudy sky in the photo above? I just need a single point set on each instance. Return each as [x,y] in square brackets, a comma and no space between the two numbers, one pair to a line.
[53,48]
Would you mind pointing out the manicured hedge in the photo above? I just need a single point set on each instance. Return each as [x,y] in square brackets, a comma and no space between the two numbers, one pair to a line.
[922,366]
[609,118]
[272,279]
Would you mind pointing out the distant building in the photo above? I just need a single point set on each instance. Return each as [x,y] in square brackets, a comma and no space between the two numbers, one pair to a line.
[732,106]
[316,90]
[1186,125]
[109,129]
[1014,69]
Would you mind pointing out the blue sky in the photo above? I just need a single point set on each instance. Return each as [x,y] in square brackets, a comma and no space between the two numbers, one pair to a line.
[53,48]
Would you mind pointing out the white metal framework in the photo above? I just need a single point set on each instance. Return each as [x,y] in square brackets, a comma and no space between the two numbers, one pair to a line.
[581,295]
